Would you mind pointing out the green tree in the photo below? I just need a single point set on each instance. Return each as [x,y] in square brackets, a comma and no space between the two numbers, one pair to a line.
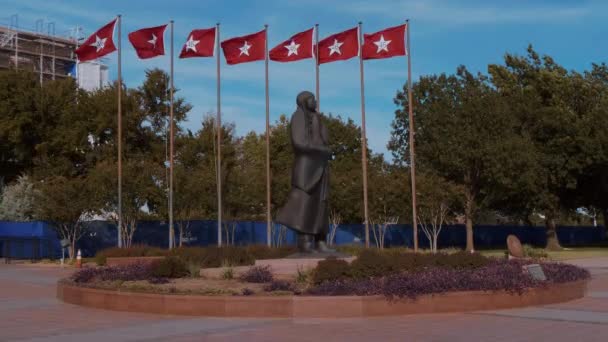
[593,181]
[17,200]
[438,202]
[464,133]
[552,106]
[66,202]
[20,123]
[346,182]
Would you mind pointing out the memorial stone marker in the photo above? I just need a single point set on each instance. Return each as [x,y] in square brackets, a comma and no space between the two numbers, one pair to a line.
[514,246]
[536,272]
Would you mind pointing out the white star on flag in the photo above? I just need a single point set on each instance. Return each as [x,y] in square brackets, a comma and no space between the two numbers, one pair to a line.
[191,44]
[382,44]
[99,43]
[245,49]
[153,40]
[335,48]
[292,49]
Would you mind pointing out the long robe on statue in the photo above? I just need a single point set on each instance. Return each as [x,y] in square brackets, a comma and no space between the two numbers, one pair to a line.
[306,209]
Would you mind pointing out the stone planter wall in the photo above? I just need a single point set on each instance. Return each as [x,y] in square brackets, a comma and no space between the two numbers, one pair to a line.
[313,306]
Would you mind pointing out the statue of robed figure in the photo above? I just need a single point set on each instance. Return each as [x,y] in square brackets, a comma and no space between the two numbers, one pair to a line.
[306,210]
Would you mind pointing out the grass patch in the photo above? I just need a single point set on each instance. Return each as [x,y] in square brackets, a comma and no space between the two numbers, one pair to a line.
[565,254]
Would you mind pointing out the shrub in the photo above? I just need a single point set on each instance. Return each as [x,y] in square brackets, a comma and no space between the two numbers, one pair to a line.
[170,267]
[214,256]
[194,270]
[303,276]
[459,261]
[347,287]
[330,269]
[495,276]
[85,275]
[257,274]
[563,273]
[353,250]
[137,271]
[279,285]
[228,273]
[247,292]
[204,256]
[371,263]
[100,259]
[534,253]
[133,251]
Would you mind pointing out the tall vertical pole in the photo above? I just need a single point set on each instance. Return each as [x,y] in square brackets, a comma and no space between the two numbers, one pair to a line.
[16,41]
[219,138]
[410,107]
[316,51]
[268,215]
[41,62]
[171,148]
[40,30]
[52,33]
[76,35]
[119,85]
[363,140]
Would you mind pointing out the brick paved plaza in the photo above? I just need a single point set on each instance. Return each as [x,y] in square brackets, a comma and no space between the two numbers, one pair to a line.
[29,311]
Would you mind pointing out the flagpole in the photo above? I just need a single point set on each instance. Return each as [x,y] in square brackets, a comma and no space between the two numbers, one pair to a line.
[316,51]
[219,139]
[268,215]
[363,140]
[410,105]
[119,228]
[171,147]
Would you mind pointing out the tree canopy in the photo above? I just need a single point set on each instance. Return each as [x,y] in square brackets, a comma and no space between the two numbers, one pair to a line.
[525,142]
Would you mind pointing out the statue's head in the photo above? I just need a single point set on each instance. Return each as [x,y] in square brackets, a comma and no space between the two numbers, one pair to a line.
[306,100]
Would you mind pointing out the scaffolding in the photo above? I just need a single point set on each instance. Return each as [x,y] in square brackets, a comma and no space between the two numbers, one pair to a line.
[41,50]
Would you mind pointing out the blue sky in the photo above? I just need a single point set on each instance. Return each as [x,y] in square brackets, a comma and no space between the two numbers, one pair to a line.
[444,34]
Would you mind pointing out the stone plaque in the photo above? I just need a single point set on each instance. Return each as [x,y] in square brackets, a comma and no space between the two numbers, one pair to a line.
[536,272]
[514,246]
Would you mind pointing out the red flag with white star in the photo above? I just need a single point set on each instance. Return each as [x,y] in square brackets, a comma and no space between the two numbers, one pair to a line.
[98,44]
[299,46]
[200,43]
[387,43]
[149,42]
[245,49]
[339,46]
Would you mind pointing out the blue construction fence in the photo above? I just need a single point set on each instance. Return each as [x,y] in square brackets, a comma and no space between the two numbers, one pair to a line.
[28,240]
[39,239]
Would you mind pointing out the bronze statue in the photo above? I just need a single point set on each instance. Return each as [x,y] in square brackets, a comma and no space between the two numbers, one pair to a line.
[306,210]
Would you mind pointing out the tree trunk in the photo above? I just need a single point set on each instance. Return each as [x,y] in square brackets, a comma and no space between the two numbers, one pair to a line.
[468,213]
[72,249]
[181,234]
[552,240]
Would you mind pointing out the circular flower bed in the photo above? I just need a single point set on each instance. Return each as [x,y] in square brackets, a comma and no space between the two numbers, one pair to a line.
[495,276]
[393,275]
[374,284]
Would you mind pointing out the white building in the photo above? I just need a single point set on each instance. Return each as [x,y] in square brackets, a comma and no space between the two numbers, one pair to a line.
[92,75]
